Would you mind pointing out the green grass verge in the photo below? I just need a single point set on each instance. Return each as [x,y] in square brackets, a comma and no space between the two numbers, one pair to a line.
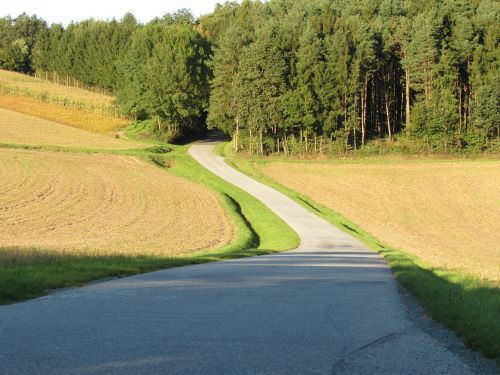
[154,149]
[468,305]
[35,278]
[32,273]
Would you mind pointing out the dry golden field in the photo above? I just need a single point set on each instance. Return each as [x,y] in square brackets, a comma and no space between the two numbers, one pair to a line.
[447,213]
[18,128]
[90,121]
[12,83]
[104,204]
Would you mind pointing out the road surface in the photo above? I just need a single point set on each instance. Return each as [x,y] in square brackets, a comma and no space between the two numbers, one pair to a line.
[329,307]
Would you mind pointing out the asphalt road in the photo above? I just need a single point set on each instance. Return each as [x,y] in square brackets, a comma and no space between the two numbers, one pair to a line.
[329,307]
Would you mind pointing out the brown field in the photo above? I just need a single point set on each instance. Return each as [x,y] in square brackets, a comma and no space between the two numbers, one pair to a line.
[18,128]
[104,204]
[447,213]
[90,121]
[12,83]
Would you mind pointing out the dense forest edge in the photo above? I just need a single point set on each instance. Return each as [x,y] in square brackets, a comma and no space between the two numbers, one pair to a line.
[289,77]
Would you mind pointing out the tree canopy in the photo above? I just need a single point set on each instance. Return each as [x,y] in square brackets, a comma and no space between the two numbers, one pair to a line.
[289,76]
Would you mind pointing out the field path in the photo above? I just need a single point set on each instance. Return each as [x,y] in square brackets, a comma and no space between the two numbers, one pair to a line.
[329,307]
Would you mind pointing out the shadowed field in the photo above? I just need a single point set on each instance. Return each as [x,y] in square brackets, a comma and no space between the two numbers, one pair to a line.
[104,205]
[445,213]
[18,128]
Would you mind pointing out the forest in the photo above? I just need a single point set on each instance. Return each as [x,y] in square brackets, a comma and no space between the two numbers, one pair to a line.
[289,76]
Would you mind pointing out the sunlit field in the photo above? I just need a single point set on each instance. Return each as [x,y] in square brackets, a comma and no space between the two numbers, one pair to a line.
[447,213]
[104,205]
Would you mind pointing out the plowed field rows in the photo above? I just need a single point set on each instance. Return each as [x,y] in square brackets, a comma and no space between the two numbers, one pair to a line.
[104,204]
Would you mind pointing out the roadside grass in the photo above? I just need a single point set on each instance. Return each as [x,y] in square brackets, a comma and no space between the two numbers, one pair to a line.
[259,226]
[144,152]
[37,272]
[29,273]
[468,305]
[269,232]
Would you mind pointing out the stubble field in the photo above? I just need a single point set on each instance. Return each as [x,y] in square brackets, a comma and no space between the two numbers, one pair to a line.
[103,205]
[447,213]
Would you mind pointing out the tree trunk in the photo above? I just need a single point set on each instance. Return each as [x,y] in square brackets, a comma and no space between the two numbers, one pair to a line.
[388,116]
[466,105]
[363,115]
[236,134]
[459,108]
[346,129]
[261,141]
[376,107]
[354,127]
[250,141]
[407,79]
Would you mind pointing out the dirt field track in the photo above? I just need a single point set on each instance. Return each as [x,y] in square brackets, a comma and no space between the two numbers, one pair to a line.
[18,128]
[446,213]
[104,204]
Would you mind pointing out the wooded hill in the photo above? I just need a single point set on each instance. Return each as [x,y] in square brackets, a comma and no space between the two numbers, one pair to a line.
[290,76]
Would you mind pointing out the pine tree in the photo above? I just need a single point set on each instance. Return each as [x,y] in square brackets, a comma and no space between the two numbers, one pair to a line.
[260,85]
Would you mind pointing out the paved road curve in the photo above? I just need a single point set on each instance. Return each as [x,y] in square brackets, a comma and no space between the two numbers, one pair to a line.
[329,307]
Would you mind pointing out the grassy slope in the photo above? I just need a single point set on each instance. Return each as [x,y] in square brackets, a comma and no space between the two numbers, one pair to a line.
[468,305]
[259,231]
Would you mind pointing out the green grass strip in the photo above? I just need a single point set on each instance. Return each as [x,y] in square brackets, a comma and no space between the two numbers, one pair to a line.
[258,226]
[468,305]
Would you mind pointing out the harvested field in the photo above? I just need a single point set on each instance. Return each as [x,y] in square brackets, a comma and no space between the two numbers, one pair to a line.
[18,128]
[103,204]
[12,83]
[93,122]
[447,213]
